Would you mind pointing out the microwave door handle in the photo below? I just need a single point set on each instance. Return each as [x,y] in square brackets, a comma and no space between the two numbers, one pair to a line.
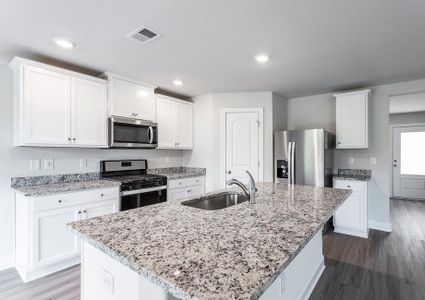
[150,135]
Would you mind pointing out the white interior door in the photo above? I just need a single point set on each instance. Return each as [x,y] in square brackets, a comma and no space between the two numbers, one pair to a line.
[409,162]
[242,145]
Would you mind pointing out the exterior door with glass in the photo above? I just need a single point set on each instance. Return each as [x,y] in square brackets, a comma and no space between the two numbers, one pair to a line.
[409,162]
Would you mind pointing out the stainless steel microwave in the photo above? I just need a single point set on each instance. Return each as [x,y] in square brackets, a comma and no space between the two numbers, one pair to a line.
[132,133]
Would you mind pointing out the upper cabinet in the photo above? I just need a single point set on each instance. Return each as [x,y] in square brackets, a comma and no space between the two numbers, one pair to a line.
[174,119]
[129,98]
[352,120]
[58,108]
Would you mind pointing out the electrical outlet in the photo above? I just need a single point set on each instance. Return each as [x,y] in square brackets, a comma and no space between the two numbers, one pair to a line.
[49,164]
[373,160]
[351,160]
[282,284]
[107,280]
[83,163]
[35,164]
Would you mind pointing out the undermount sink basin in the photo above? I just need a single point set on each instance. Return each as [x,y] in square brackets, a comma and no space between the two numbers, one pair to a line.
[218,201]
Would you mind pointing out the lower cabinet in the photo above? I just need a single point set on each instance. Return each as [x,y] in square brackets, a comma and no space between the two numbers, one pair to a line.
[352,217]
[185,188]
[44,244]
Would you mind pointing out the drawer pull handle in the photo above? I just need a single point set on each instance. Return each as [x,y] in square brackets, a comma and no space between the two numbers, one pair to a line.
[59,201]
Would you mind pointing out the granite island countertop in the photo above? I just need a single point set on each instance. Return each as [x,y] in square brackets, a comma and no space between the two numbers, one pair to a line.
[233,253]
[178,172]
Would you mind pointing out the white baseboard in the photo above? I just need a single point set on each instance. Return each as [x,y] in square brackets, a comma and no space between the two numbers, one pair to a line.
[381,226]
[353,232]
[7,262]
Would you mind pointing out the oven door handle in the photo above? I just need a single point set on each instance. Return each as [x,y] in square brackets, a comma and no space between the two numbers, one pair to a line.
[142,191]
[150,134]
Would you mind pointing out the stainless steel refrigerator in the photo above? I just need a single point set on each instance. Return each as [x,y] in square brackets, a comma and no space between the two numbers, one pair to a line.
[304,157]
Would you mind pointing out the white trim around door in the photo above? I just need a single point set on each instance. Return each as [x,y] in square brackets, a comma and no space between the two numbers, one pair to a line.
[224,112]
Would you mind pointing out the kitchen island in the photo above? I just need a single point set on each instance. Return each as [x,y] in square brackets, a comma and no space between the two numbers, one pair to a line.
[268,250]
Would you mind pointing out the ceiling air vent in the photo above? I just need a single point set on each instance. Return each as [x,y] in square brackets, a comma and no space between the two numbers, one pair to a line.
[144,35]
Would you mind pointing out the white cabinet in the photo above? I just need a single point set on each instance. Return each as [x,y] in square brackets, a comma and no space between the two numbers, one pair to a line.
[88,113]
[175,123]
[54,107]
[129,98]
[352,120]
[184,188]
[352,217]
[44,243]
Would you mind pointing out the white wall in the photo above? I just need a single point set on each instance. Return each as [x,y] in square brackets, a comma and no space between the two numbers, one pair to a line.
[319,111]
[15,162]
[408,118]
[208,130]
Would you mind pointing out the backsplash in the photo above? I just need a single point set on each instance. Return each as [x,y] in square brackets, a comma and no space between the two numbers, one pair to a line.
[52,179]
[354,172]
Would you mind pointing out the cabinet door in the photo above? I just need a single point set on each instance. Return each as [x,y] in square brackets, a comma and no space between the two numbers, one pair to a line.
[98,209]
[183,125]
[144,103]
[53,242]
[89,113]
[195,190]
[46,107]
[177,194]
[165,118]
[351,127]
[122,98]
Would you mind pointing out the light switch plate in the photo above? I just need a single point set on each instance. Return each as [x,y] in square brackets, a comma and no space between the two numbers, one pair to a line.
[351,160]
[35,164]
[49,164]
[107,280]
[373,160]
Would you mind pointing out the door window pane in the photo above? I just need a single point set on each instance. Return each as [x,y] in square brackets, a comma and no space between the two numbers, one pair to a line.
[413,153]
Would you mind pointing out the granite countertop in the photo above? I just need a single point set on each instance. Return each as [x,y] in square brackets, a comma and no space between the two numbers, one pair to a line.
[354,174]
[58,188]
[178,172]
[232,253]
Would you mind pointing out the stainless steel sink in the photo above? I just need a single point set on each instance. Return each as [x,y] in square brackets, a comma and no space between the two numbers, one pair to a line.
[218,201]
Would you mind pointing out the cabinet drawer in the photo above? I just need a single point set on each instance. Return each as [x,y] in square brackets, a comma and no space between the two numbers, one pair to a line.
[73,198]
[178,183]
[356,186]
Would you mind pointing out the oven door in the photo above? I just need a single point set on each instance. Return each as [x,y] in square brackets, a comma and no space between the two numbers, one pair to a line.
[132,133]
[139,198]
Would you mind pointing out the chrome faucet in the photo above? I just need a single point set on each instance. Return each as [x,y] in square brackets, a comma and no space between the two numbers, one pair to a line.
[249,191]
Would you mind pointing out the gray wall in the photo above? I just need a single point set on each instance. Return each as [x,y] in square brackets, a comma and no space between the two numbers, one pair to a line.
[15,162]
[319,111]
[407,118]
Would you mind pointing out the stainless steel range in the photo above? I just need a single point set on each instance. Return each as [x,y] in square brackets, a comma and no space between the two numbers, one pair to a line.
[137,187]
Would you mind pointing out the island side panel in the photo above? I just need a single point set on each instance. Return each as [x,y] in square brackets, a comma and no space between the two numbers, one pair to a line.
[104,278]
[300,277]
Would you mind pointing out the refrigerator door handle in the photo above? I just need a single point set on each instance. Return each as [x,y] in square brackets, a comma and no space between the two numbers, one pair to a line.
[289,162]
[293,163]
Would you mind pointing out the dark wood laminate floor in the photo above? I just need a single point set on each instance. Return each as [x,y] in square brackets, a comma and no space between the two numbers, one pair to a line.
[384,266]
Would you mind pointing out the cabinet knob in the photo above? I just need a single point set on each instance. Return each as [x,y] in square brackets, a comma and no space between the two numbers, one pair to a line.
[59,201]
[69,139]
[339,143]
[74,139]
[79,212]
[84,211]
[101,195]
[349,186]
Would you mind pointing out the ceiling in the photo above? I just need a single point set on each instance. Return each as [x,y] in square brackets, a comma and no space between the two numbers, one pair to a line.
[408,103]
[315,46]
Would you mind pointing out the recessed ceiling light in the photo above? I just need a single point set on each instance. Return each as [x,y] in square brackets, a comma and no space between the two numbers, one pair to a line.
[64,43]
[262,58]
[177,82]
